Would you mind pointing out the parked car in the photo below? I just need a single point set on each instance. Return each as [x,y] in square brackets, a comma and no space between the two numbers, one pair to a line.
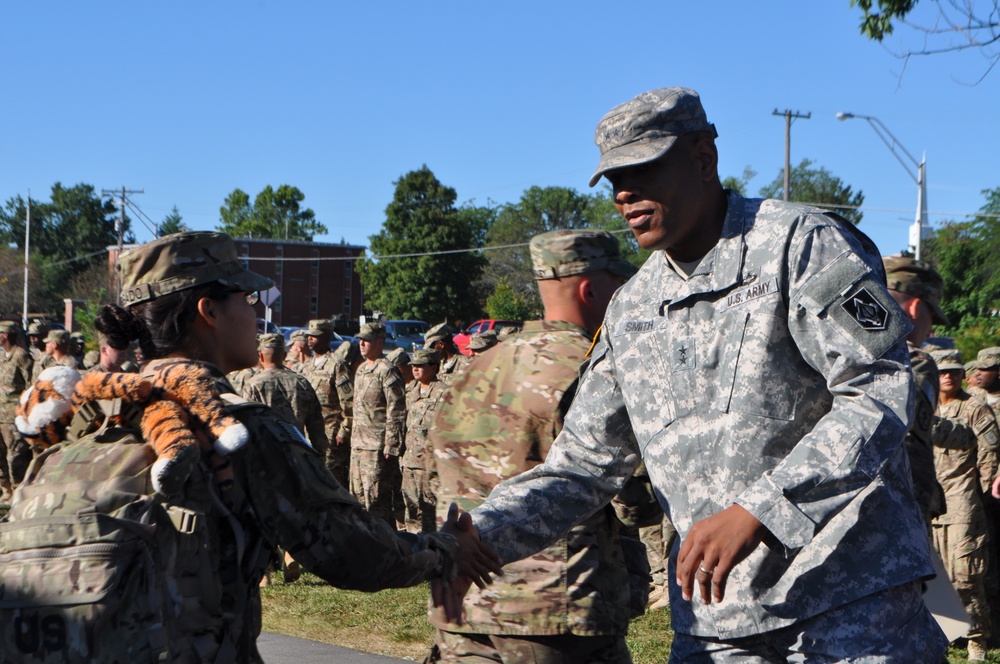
[462,338]
[264,327]
[405,334]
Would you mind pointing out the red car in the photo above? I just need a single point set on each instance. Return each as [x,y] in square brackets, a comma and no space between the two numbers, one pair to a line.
[462,338]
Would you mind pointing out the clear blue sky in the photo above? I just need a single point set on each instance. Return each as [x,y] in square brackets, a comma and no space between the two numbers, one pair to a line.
[191,100]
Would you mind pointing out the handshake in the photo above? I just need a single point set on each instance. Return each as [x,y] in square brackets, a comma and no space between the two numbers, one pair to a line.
[473,563]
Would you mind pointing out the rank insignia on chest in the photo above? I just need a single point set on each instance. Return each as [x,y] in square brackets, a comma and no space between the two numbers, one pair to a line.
[682,355]
[866,310]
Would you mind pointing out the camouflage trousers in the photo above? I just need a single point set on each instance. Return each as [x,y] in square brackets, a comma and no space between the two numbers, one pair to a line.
[338,458]
[377,483]
[965,558]
[889,627]
[15,455]
[659,539]
[558,649]
[419,508]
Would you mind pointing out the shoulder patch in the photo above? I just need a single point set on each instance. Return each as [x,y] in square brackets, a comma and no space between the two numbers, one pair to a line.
[865,310]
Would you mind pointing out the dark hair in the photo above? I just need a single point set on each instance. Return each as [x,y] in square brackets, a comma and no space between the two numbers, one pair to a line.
[162,325]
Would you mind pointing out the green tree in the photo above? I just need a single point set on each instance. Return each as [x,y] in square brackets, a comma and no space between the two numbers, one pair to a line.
[958,26]
[820,187]
[68,234]
[742,183]
[422,220]
[275,213]
[506,304]
[172,223]
[964,253]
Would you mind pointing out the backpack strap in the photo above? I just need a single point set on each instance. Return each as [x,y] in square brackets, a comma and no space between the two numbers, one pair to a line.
[96,417]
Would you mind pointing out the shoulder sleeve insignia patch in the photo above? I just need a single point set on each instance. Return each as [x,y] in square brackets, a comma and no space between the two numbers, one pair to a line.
[866,310]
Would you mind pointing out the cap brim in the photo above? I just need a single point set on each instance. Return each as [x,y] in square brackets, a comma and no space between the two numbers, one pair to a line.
[632,154]
[951,366]
[937,316]
[247,281]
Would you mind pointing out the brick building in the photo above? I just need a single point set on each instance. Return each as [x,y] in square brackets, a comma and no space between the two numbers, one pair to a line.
[316,279]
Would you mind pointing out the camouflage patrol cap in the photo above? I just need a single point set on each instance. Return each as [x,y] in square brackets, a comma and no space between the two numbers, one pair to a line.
[60,337]
[566,252]
[917,279]
[298,335]
[372,331]
[424,357]
[507,332]
[270,340]
[483,341]
[948,359]
[37,329]
[989,358]
[78,337]
[319,326]
[971,366]
[9,327]
[181,261]
[643,129]
[398,358]
[437,333]
[348,351]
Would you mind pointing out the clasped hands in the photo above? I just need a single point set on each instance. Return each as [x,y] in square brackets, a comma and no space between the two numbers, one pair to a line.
[475,562]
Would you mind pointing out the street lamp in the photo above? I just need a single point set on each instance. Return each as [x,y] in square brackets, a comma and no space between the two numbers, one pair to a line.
[920,228]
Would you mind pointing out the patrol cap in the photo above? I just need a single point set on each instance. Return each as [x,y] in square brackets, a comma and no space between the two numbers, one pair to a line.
[57,336]
[181,261]
[9,327]
[971,366]
[949,359]
[398,358]
[37,329]
[424,357]
[917,279]
[319,326]
[78,336]
[270,340]
[298,335]
[989,358]
[483,341]
[348,351]
[565,252]
[437,333]
[372,331]
[507,332]
[643,129]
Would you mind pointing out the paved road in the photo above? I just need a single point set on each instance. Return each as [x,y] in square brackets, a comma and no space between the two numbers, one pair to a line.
[281,649]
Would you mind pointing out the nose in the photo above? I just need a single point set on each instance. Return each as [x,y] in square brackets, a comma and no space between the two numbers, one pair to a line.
[625,192]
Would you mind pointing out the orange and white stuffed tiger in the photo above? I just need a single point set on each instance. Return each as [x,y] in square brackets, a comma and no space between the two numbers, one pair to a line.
[183,416]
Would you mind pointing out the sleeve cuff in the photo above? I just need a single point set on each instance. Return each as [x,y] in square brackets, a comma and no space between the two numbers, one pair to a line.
[789,525]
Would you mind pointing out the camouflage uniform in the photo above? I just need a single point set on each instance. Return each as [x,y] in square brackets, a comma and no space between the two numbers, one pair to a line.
[320,371]
[239,378]
[454,364]
[291,362]
[482,342]
[343,380]
[986,359]
[62,338]
[919,437]
[774,377]
[378,435]
[421,404]
[15,378]
[292,398]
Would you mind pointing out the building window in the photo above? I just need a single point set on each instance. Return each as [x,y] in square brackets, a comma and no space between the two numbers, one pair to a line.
[347,306]
[348,266]
[277,268]
[314,305]
[314,267]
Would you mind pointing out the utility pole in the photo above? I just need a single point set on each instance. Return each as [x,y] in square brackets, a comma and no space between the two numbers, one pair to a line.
[788,143]
[120,226]
[27,254]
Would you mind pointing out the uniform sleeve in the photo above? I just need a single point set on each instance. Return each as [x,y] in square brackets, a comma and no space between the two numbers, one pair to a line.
[345,392]
[984,423]
[589,462]
[301,507]
[953,434]
[313,417]
[847,328]
[395,412]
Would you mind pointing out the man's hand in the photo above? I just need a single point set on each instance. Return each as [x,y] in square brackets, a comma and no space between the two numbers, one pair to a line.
[996,487]
[340,440]
[475,562]
[713,547]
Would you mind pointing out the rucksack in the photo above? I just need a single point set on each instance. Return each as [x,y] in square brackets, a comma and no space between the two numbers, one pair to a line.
[95,566]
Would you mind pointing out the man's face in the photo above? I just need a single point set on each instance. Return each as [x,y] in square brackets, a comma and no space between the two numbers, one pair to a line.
[112,358]
[923,323]
[660,200]
[371,349]
[988,377]
[424,373]
[36,341]
[951,381]
[318,344]
[50,347]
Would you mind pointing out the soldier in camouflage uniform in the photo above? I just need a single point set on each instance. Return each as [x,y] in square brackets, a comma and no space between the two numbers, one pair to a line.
[498,418]
[965,456]
[347,360]
[298,351]
[987,390]
[379,426]
[15,377]
[57,344]
[439,338]
[287,393]
[758,366]
[320,370]
[422,397]
[400,359]
[37,331]
[916,286]
[109,359]
[282,493]
[482,342]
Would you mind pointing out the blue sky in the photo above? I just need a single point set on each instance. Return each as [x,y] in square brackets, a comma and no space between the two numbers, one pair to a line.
[188,101]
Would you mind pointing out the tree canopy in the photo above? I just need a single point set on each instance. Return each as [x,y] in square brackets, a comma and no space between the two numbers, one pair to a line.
[172,223]
[421,219]
[68,234]
[275,214]
[820,187]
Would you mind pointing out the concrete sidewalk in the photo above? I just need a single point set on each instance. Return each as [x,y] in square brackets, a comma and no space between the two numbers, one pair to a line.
[281,649]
